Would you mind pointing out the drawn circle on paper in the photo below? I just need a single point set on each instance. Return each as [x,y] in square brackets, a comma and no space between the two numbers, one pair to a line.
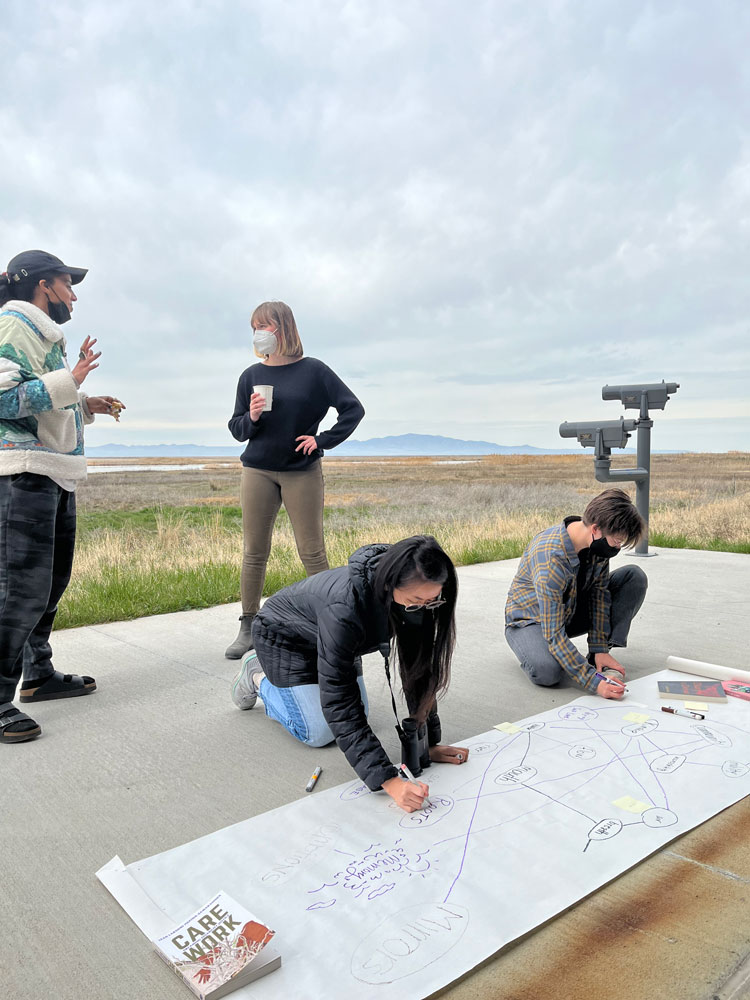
[576,713]
[408,941]
[354,791]
[656,818]
[734,769]
[477,749]
[430,814]
[581,752]
[516,775]
[719,739]
[605,829]
[667,763]
[640,728]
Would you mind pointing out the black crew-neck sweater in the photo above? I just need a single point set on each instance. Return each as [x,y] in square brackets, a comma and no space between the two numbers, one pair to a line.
[302,394]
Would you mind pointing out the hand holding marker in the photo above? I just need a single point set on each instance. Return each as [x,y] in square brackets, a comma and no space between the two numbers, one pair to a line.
[410,778]
[610,680]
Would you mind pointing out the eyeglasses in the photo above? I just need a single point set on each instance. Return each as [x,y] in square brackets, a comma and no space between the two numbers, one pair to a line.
[428,605]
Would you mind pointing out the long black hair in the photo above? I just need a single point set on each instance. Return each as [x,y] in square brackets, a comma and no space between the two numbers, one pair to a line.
[23,289]
[424,651]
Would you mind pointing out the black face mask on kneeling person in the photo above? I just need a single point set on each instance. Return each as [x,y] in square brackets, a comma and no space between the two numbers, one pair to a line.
[404,617]
[601,547]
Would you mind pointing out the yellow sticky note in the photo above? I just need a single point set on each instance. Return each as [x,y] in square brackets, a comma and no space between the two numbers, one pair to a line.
[507,727]
[631,805]
[699,706]
[636,717]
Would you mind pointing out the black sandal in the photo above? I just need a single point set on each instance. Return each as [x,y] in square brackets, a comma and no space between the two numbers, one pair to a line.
[15,726]
[57,686]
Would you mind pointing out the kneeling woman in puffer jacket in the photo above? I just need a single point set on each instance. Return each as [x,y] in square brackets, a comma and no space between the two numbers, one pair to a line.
[309,638]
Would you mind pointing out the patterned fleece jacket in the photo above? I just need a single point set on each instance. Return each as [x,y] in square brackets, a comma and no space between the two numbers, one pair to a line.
[42,412]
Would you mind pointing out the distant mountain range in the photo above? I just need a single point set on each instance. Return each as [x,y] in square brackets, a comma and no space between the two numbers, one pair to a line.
[402,444]
[434,444]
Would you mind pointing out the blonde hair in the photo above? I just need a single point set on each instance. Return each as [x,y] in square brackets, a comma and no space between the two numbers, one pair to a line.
[279,315]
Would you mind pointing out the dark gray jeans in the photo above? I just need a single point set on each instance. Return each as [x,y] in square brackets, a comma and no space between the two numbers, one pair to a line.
[627,589]
[37,539]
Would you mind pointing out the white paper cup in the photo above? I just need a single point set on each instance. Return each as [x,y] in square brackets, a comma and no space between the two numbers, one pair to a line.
[266,391]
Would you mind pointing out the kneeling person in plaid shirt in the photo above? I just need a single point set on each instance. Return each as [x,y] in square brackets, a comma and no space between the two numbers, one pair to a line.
[563,588]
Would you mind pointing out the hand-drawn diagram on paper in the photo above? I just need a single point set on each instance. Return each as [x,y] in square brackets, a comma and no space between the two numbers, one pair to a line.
[364,896]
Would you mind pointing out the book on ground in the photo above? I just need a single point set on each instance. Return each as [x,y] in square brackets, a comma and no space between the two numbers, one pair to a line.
[737,689]
[219,948]
[692,690]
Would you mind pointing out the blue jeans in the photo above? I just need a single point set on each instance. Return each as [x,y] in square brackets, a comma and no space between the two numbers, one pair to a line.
[298,710]
[627,589]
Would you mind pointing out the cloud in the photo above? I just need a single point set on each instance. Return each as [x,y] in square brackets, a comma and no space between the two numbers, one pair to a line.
[479,214]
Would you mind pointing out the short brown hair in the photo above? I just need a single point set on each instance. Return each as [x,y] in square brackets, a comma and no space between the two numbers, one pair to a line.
[614,513]
[279,314]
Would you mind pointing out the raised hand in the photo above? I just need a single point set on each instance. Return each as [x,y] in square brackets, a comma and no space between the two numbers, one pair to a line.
[86,360]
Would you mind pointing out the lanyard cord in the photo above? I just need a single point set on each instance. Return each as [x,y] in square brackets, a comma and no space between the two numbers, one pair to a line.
[399,729]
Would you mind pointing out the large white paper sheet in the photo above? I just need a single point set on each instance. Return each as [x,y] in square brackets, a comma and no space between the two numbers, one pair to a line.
[366,898]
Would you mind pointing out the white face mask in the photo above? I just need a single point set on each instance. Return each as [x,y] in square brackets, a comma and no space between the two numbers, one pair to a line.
[265,342]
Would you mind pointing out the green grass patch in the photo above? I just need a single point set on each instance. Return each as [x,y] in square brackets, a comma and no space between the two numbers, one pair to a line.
[122,595]
[151,518]
[489,550]
[161,559]
[683,542]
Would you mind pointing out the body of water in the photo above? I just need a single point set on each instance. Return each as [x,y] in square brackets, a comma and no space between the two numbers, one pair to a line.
[158,467]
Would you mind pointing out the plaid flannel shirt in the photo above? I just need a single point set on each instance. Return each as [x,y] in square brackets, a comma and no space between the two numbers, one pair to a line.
[544,592]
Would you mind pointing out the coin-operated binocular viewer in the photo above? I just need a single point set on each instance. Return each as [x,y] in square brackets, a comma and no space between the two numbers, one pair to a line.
[603,435]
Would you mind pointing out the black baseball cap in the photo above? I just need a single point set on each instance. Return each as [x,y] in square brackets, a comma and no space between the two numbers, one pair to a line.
[36,262]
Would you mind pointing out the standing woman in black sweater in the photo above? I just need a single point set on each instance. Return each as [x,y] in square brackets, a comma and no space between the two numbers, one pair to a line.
[281,463]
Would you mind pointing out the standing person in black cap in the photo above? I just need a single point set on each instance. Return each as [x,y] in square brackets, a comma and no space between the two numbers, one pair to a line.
[42,413]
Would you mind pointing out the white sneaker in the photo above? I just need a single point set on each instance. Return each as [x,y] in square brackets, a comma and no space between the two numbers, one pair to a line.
[244,691]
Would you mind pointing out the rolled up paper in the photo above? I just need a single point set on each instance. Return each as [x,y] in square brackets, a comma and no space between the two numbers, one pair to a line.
[713,670]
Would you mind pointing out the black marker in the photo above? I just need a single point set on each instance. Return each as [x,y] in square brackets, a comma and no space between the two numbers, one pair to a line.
[682,711]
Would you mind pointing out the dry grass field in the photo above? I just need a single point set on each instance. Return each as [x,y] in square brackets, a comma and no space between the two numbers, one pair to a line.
[157,541]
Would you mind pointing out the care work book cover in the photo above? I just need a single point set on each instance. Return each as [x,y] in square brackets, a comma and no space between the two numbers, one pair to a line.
[219,948]
[692,690]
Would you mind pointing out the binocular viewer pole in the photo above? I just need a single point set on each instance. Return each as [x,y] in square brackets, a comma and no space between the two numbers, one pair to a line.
[603,435]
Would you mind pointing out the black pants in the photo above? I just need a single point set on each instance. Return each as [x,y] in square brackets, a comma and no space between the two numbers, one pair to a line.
[37,540]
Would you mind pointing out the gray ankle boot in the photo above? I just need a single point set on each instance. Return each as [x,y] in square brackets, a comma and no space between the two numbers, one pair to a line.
[244,640]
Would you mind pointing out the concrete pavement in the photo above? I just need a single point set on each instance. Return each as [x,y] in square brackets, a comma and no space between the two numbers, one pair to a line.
[160,756]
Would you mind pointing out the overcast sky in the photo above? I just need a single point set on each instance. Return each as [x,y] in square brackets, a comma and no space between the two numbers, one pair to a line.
[480,212]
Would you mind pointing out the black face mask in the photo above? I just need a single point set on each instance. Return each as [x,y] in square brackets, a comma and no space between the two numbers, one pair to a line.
[404,617]
[601,547]
[58,311]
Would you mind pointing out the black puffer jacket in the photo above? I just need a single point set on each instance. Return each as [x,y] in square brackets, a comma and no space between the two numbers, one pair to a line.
[311,633]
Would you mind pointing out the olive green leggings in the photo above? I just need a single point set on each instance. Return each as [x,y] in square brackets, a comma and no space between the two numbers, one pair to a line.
[262,493]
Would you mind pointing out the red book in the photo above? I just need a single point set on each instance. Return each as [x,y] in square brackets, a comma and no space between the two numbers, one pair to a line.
[692,690]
